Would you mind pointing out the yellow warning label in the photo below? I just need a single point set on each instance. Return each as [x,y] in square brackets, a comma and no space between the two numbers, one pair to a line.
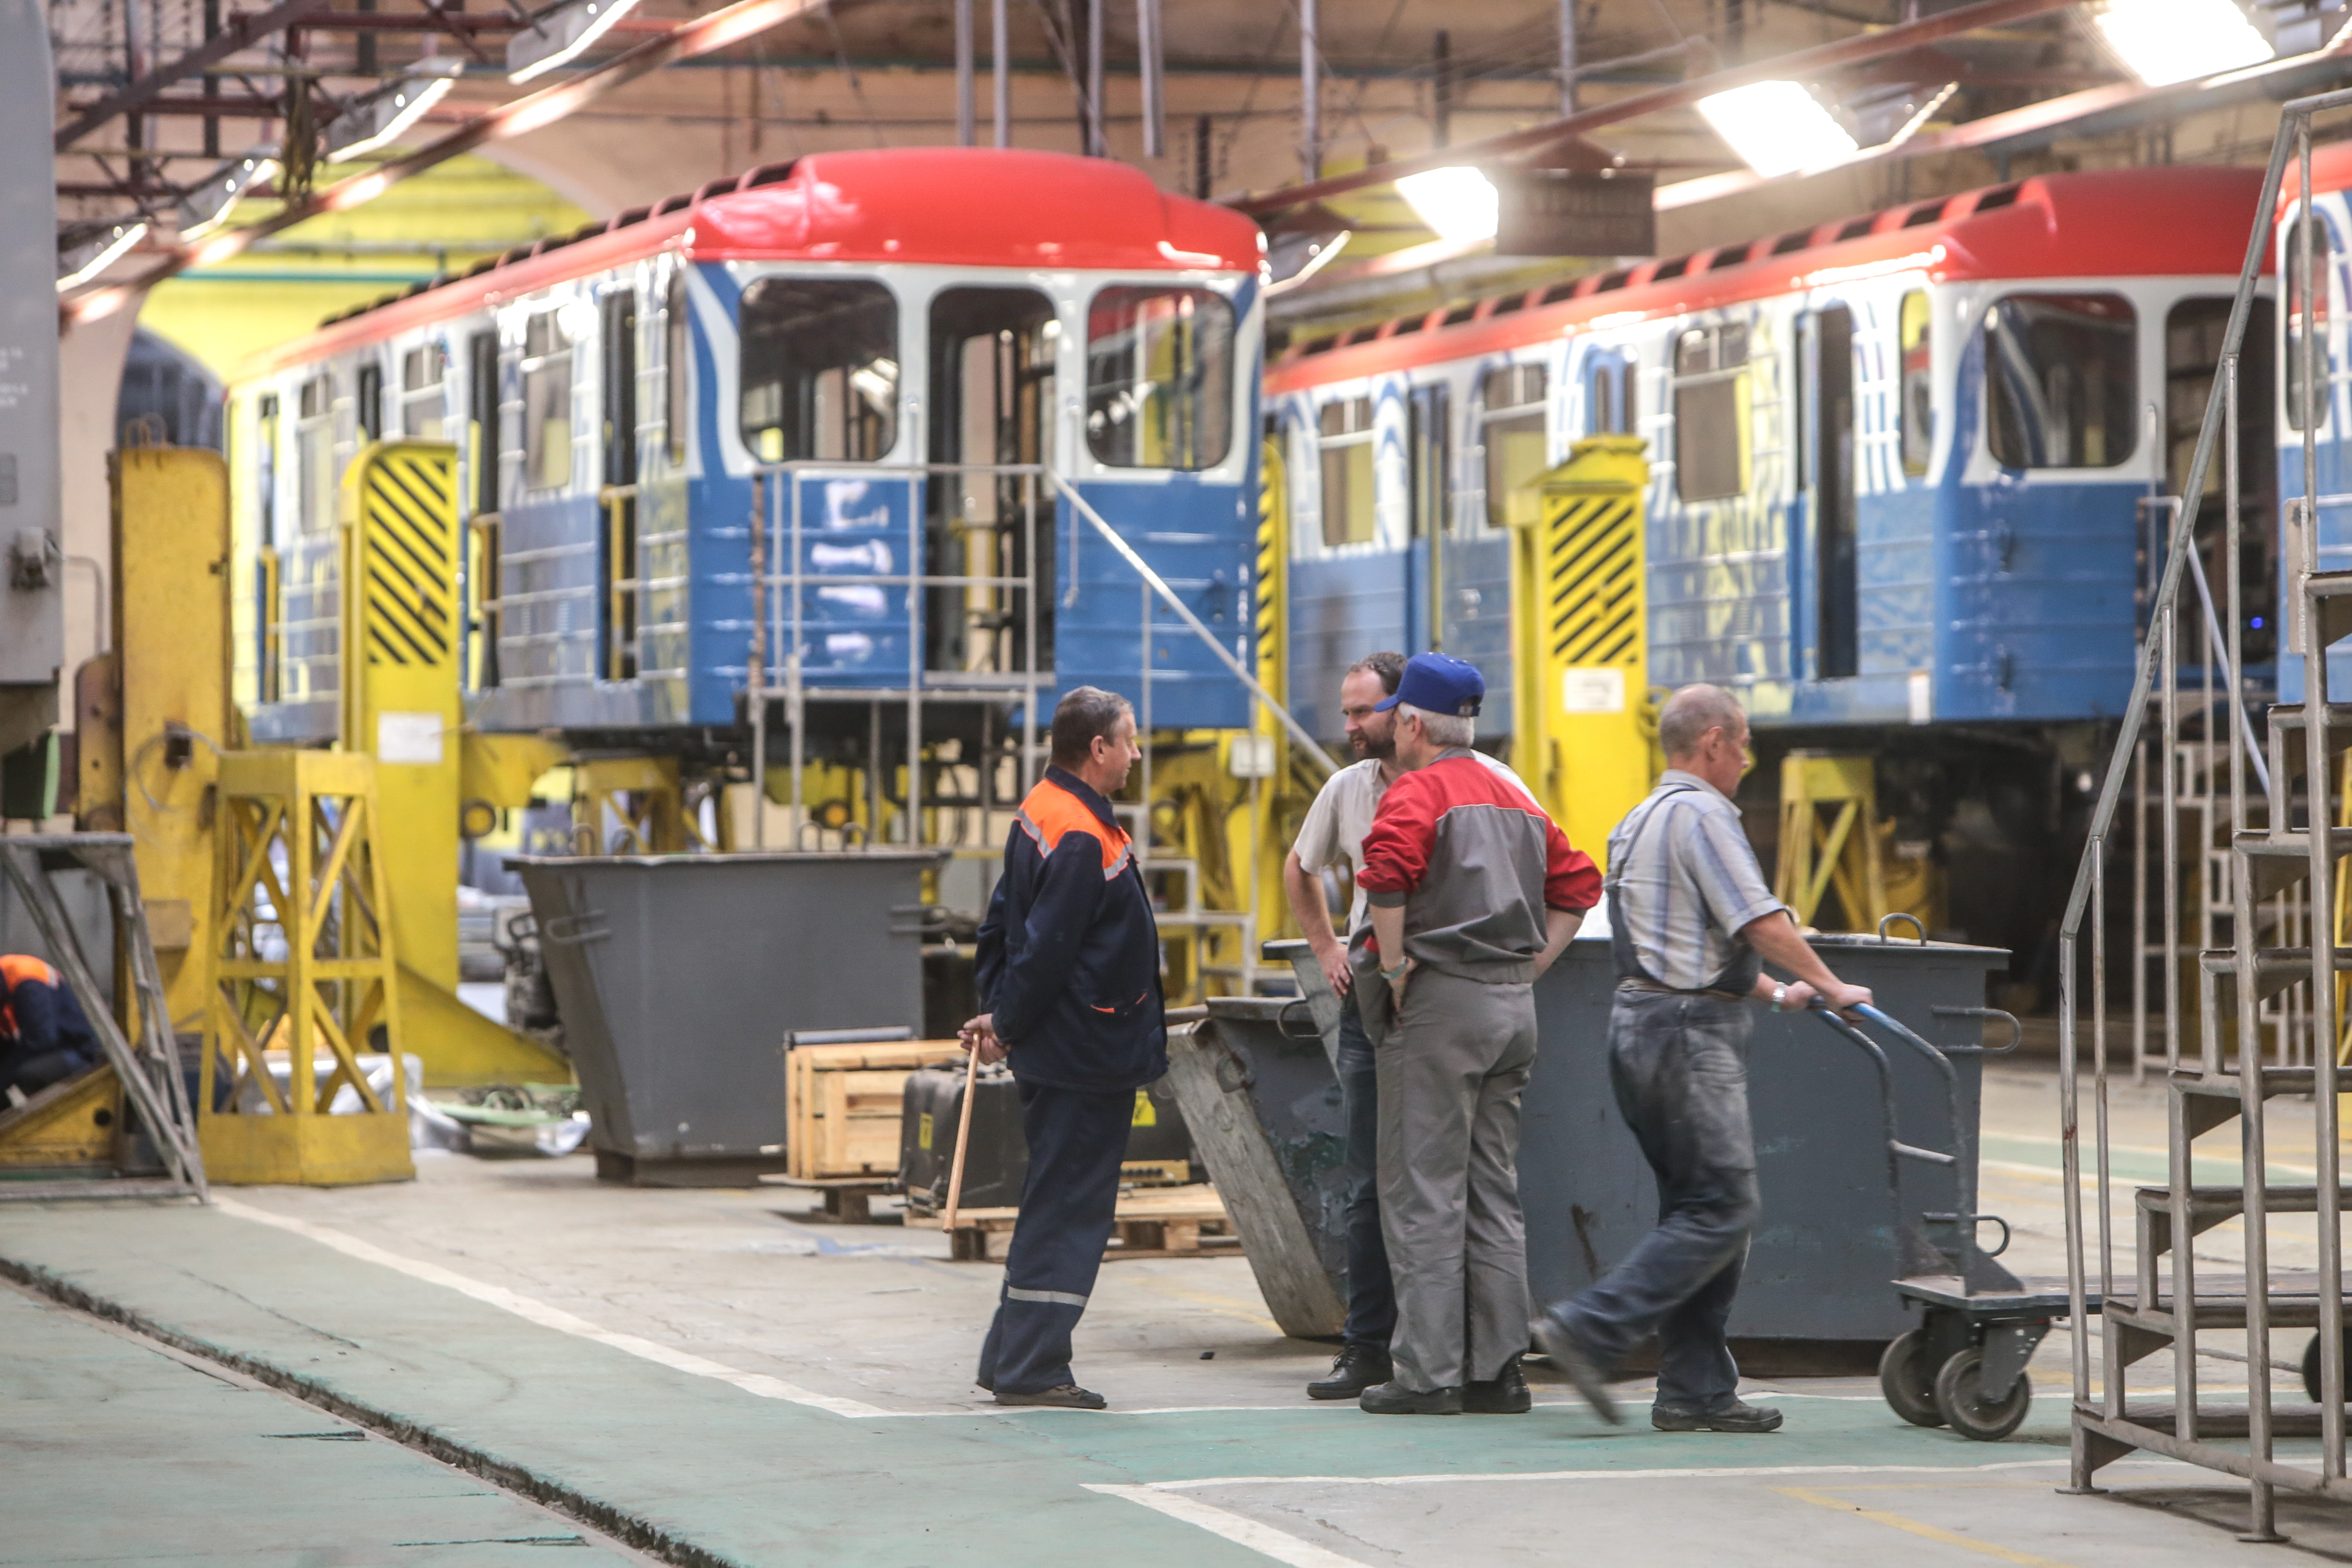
[1144,1115]
[923,1132]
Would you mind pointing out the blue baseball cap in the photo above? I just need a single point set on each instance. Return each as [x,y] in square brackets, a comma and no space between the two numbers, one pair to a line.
[1438,683]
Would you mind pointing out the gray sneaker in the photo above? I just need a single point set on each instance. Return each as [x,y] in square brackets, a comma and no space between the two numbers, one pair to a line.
[1735,1416]
[1063,1397]
[1559,1347]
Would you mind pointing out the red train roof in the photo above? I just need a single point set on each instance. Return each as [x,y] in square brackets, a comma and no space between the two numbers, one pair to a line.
[955,206]
[2117,223]
[2331,169]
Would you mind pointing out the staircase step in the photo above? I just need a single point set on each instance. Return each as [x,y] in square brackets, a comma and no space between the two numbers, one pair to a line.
[2279,858]
[2327,600]
[2275,968]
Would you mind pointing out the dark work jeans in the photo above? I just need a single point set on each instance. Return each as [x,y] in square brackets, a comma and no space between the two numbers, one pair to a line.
[1678,1063]
[1371,1296]
[1076,1140]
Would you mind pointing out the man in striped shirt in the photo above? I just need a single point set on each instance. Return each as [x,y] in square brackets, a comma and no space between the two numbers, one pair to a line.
[1692,922]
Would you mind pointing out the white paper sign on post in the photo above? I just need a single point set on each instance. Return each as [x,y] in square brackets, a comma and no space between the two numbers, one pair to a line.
[411,738]
[1592,690]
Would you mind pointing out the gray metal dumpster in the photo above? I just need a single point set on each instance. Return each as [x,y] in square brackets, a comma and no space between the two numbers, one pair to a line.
[1262,1105]
[1817,1293]
[678,977]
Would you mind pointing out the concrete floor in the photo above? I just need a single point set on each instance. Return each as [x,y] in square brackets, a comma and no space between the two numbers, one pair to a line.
[723,1377]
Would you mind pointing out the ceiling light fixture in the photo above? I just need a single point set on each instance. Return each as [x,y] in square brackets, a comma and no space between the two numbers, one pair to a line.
[87,260]
[1778,128]
[2165,41]
[379,117]
[209,201]
[559,34]
[1458,204]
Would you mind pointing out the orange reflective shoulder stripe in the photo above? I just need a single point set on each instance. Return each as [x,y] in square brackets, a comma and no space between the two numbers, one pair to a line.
[15,968]
[1050,811]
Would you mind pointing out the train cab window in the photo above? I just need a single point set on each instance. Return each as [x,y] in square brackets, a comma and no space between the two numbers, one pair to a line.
[2307,314]
[1343,428]
[820,369]
[314,455]
[369,393]
[1919,391]
[423,404]
[1159,378]
[1511,428]
[677,348]
[1711,412]
[546,403]
[2063,381]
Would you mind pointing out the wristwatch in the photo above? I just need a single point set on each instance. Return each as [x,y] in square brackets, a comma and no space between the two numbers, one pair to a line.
[1780,996]
[1400,969]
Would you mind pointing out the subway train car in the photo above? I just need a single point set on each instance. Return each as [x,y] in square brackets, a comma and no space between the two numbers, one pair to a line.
[880,352]
[1896,468]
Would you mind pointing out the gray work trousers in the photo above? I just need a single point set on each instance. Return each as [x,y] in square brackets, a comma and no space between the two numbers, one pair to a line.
[1451,1066]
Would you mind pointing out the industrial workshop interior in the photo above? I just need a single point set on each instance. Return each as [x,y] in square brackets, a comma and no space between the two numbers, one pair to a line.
[1175,784]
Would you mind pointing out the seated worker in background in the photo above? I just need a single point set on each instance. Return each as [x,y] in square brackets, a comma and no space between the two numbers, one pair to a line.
[44,1036]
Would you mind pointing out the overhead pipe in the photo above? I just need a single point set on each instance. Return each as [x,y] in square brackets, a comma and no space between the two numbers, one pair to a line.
[1310,97]
[1148,48]
[963,69]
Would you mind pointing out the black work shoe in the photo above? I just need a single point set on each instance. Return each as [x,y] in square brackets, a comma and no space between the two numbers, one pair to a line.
[1559,1347]
[1396,1399]
[1062,1396]
[1502,1394]
[1355,1369]
[1735,1416]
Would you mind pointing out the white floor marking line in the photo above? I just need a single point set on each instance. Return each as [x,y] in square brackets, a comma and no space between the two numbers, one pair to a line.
[545,1316]
[1701,1472]
[1239,1528]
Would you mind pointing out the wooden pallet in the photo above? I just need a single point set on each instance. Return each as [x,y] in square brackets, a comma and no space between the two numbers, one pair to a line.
[1161,1222]
[848,1199]
[842,1106]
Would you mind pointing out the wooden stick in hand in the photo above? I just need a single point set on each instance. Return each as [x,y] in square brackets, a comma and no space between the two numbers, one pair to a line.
[963,1137]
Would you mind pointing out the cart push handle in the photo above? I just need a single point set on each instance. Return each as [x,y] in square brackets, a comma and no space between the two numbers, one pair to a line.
[1961,1159]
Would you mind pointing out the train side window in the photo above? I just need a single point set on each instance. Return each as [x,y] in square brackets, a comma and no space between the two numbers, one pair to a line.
[483,446]
[1512,431]
[2306,315]
[265,466]
[2062,381]
[1830,474]
[1159,378]
[678,366]
[1601,415]
[1429,461]
[1344,439]
[369,390]
[1711,412]
[546,403]
[424,404]
[1918,390]
[314,455]
[820,369]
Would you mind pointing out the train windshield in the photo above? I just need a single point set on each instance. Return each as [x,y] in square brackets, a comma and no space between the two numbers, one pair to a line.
[820,369]
[2063,380]
[1159,378]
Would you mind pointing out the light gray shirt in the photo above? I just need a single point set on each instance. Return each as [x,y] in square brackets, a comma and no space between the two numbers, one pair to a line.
[1333,833]
[1686,881]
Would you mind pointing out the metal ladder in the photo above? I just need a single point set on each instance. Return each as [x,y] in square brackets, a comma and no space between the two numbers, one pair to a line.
[2221,1068]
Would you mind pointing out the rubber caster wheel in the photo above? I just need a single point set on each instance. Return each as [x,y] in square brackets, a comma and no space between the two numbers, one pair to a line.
[1909,1381]
[2311,1365]
[1967,1411]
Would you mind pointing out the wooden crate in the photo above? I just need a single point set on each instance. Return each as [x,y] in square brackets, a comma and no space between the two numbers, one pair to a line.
[841,1104]
[1163,1222]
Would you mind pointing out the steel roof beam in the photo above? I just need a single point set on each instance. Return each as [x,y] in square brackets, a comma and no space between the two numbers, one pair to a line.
[242,32]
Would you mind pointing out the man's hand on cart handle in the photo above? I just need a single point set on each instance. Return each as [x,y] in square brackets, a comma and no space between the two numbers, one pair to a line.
[980,1035]
[1775,936]
[1843,997]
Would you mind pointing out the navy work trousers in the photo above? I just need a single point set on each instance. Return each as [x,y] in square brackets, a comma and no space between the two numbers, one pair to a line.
[1371,1296]
[1678,1062]
[1076,1140]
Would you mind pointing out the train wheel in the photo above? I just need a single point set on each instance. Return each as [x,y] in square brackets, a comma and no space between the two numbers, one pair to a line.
[1909,1381]
[1960,1397]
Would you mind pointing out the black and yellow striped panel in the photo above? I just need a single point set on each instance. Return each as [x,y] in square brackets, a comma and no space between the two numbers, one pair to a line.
[1272,557]
[408,555]
[1593,576]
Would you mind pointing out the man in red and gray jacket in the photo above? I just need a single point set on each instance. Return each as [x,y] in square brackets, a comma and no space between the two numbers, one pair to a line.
[1474,891]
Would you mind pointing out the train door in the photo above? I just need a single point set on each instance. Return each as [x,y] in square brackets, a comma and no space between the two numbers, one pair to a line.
[1828,617]
[2193,330]
[484,584]
[616,539]
[1429,504]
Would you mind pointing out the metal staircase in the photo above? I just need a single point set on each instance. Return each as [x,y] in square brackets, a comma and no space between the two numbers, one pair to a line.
[2271,856]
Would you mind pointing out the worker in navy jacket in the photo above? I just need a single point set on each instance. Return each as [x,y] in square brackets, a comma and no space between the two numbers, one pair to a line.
[1069,970]
[44,1038]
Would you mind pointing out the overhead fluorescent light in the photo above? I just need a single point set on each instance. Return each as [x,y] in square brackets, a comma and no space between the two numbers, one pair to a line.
[209,201]
[87,260]
[1778,128]
[561,34]
[2165,41]
[1458,204]
[371,121]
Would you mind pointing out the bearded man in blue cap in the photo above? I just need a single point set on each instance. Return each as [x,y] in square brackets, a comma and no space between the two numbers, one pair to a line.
[1474,892]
